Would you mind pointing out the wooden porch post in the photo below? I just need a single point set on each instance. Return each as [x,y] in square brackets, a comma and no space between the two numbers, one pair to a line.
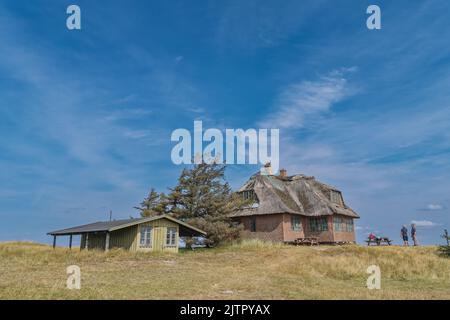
[86,245]
[54,241]
[107,241]
[70,242]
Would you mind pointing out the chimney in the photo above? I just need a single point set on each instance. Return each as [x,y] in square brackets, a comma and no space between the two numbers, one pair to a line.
[283,173]
[267,169]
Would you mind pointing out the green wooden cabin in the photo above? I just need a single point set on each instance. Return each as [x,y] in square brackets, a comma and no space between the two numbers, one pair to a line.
[159,233]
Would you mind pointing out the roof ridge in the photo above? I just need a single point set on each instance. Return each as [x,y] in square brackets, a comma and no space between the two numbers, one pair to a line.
[294,194]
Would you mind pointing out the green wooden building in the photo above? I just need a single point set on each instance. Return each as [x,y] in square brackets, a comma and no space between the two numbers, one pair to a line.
[159,233]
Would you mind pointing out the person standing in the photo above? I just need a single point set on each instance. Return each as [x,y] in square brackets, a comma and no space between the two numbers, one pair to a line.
[404,235]
[414,234]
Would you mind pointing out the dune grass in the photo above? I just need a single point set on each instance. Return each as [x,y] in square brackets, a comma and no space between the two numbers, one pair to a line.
[247,270]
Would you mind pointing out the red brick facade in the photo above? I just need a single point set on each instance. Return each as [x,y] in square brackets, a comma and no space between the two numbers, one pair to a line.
[279,228]
[267,227]
[289,233]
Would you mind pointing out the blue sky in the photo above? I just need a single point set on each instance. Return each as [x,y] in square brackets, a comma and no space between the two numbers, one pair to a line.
[86,116]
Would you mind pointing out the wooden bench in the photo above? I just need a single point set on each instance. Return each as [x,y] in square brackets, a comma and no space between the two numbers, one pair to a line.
[306,240]
[379,241]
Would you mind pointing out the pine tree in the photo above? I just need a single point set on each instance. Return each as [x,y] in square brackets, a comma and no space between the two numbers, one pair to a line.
[204,199]
[154,204]
[446,237]
[445,250]
[173,201]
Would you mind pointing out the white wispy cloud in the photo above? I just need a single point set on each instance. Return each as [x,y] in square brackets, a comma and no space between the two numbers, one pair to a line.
[249,25]
[137,134]
[300,101]
[127,114]
[196,110]
[433,207]
[424,223]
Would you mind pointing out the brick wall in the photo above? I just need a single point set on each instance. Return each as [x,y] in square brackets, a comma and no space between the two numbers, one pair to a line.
[277,227]
[323,236]
[341,236]
[344,236]
[268,227]
[289,234]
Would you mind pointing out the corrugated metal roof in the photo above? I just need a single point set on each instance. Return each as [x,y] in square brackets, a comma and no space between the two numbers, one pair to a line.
[96,226]
[103,226]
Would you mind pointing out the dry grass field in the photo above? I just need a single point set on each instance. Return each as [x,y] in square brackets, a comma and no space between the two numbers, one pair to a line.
[251,270]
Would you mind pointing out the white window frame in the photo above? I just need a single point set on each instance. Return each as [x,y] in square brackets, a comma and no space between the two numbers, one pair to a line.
[146,233]
[171,237]
[336,197]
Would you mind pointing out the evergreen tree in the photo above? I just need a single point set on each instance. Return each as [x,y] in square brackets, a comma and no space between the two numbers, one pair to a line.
[446,237]
[154,204]
[174,201]
[445,250]
[204,199]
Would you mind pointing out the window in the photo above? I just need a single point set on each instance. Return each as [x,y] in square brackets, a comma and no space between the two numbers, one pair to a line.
[349,225]
[336,197]
[171,237]
[249,195]
[343,224]
[318,224]
[296,223]
[338,224]
[253,225]
[146,237]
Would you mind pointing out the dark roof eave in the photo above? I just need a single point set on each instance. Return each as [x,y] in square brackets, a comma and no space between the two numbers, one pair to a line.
[80,230]
[256,213]
[72,233]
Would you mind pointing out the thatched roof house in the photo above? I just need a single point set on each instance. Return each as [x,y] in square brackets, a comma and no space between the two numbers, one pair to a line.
[289,207]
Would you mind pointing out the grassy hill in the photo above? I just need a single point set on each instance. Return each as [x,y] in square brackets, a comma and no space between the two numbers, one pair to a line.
[251,270]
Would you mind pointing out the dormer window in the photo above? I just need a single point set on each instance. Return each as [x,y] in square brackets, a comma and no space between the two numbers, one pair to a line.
[336,197]
[249,195]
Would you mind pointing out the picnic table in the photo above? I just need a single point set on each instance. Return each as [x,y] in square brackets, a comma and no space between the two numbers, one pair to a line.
[306,240]
[379,241]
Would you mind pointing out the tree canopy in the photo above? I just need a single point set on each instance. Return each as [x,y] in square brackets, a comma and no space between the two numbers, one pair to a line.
[152,205]
[203,198]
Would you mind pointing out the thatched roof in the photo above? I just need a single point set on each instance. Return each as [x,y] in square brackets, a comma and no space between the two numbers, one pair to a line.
[298,194]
